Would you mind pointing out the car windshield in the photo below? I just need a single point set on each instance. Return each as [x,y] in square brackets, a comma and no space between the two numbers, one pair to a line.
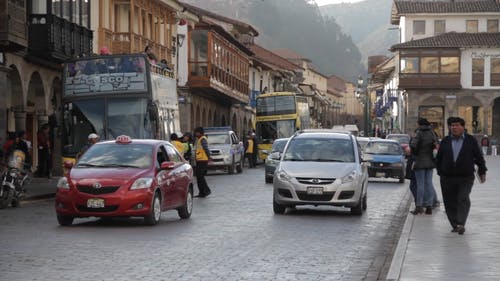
[320,150]
[400,139]
[279,145]
[222,138]
[117,155]
[388,148]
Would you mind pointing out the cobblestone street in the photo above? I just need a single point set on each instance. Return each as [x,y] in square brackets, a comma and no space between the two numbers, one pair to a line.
[232,235]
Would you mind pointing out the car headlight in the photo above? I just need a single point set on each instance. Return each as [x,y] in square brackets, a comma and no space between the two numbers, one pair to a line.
[63,183]
[282,175]
[270,161]
[349,177]
[142,183]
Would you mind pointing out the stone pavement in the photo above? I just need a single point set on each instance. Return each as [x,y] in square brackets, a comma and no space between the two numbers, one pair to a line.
[427,250]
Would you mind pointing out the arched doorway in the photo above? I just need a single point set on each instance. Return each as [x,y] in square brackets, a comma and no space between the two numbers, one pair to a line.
[472,111]
[15,100]
[495,124]
[204,118]
[209,119]
[197,123]
[223,120]
[216,118]
[234,123]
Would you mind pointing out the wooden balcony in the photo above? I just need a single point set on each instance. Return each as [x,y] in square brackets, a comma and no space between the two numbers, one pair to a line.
[216,81]
[129,42]
[430,81]
[13,31]
[54,38]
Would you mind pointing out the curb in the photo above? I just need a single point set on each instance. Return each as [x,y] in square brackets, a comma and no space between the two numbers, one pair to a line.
[400,252]
[39,197]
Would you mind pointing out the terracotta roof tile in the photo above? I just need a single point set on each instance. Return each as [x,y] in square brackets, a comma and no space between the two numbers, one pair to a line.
[443,6]
[272,58]
[453,40]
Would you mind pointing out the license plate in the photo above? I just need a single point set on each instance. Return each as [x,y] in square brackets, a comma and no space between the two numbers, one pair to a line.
[95,203]
[380,175]
[313,190]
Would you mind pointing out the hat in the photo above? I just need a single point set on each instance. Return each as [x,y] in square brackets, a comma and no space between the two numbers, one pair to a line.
[93,136]
[104,51]
[423,122]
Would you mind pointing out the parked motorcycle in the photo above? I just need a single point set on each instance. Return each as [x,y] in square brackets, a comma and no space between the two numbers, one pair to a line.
[14,177]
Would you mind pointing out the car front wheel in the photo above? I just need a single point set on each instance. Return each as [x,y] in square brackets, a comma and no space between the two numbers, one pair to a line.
[358,209]
[186,210]
[64,220]
[278,208]
[155,213]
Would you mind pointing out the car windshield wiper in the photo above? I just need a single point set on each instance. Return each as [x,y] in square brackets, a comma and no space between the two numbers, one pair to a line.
[88,165]
[121,166]
[328,160]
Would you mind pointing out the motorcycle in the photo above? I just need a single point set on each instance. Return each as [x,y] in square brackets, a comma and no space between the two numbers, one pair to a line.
[14,177]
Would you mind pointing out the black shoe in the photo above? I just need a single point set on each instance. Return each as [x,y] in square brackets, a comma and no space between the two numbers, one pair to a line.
[200,196]
[460,229]
[436,204]
[417,210]
[428,210]
[454,229]
[208,193]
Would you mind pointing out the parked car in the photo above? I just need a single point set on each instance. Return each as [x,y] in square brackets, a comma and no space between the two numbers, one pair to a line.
[126,178]
[321,167]
[386,159]
[226,150]
[278,146]
[403,139]
[362,142]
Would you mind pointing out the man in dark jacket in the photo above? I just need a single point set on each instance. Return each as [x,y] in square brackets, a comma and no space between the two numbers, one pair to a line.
[458,153]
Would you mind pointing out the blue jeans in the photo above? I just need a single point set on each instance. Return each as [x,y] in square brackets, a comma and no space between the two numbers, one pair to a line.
[426,193]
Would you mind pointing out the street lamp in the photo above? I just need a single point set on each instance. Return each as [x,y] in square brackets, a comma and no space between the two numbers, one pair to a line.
[363,95]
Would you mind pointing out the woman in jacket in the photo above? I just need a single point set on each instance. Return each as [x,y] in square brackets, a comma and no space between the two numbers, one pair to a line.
[422,146]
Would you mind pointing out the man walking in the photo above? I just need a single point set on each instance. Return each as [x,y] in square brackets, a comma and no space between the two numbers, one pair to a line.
[457,155]
[202,157]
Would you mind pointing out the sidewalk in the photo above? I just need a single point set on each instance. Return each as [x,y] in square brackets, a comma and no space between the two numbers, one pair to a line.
[41,188]
[427,250]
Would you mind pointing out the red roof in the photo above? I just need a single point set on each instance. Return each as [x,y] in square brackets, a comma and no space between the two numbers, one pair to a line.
[290,55]
[272,58]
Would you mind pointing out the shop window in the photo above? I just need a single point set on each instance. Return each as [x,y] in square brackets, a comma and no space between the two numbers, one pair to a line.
[429,65]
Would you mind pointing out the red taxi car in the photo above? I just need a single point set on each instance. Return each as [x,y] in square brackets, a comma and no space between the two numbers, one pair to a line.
[126,178]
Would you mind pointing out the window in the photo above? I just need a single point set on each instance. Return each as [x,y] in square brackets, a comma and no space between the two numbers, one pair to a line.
[439,27]
[429,65]
[495,72]
[173,155]
[477,72]
[492,26]
[471,26]
[418,27]
[450,65]
[409,65]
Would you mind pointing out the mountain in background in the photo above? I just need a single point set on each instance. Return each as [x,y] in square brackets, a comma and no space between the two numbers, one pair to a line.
[368,23]
[297,25]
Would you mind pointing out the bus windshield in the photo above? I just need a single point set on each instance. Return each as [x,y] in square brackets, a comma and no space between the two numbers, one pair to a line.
[275,105]
[125,116]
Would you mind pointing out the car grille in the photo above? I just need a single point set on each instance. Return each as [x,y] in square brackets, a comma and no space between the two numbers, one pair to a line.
[110,208]
[326,196]
[91,190]
[215,151]
[310,181]
[380,164]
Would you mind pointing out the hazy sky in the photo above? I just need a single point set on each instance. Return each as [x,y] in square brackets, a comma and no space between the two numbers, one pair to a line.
[325,2]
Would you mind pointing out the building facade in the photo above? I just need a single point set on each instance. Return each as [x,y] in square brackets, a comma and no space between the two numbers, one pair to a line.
[36,37]
[448,63]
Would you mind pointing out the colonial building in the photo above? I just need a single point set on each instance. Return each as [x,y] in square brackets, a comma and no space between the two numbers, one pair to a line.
[36,37]
[448,62]
[217,90]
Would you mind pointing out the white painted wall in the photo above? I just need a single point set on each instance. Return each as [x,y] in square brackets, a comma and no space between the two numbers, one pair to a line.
[466,66]
[454,23]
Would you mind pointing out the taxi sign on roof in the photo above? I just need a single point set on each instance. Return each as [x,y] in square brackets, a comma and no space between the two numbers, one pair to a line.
[123,139]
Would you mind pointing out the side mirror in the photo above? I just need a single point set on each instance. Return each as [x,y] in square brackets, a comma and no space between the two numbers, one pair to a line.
[275,155]
[167,165]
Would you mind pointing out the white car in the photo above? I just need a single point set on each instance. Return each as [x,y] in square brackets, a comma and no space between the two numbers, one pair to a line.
[321,168]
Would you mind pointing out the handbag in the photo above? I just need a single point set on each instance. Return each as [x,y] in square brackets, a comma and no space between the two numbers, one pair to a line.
[409,168]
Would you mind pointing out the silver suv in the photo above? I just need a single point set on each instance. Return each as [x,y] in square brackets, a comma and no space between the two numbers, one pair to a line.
[226,150]
[321,167]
